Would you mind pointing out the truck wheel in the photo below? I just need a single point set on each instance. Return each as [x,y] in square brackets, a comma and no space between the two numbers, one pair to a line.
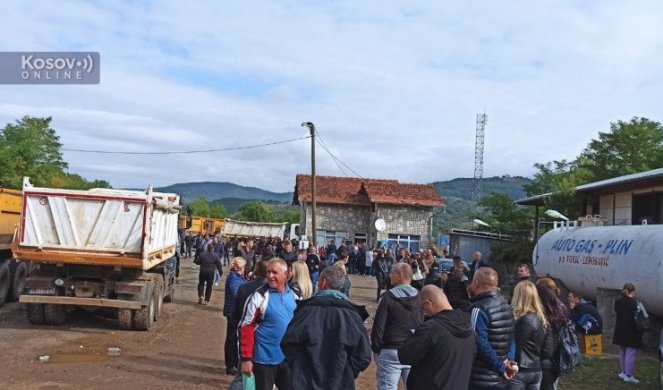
[54,314]
[4,281]
[168,298]
[19,271]
[36,313]
[158,296]
[144,316]
[124,318]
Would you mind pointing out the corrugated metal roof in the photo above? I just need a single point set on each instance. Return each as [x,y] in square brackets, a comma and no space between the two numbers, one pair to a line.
[589,187]
[653,174]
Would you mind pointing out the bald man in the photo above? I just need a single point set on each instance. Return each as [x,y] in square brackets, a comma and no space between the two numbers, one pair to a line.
[442,349]
[492,320]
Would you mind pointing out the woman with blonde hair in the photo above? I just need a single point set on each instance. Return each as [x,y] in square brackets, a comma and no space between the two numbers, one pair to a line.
[532,337]
[301,280]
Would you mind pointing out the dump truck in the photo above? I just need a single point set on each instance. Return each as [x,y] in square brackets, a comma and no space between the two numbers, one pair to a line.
[201,225]
[12,272]
[97,249]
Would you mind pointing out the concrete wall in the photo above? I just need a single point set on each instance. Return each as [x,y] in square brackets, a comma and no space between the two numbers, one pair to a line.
[351,219]
[360,219]
[405,220]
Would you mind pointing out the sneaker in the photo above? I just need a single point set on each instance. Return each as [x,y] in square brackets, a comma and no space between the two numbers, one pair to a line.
[622,376]
[630,379]
[200,300]
[206,303]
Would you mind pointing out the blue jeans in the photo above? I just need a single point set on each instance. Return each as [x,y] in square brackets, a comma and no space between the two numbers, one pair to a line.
[530,380]
[390,370]
[314,280]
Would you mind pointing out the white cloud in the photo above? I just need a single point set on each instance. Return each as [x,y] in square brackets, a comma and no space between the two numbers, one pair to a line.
[393,88]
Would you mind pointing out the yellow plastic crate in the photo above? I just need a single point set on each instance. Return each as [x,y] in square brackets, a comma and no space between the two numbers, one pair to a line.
[591,344]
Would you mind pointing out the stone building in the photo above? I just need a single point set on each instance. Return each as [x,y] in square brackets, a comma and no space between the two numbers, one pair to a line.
[347,210]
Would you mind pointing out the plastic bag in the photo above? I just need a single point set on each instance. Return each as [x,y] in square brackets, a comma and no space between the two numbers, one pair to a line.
[248,382]
[642,323]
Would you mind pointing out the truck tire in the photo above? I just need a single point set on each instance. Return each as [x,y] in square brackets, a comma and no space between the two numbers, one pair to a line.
[168,298]
[124,318]
[19,271]
[144,316]
[54,314]
[5,281]
[158,295]
[36,313]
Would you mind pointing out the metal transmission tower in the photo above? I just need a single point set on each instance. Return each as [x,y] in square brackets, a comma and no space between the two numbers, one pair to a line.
[478,156]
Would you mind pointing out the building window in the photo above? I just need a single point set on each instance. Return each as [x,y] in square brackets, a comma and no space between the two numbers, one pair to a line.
[647,206]
[410,242]
[324,236]
[359,238]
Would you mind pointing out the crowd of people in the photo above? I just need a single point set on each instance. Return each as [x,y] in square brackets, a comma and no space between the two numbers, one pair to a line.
[291,324]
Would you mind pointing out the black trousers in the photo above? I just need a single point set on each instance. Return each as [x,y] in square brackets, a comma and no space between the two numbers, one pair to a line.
[230,346]
[205,283]
[268,375]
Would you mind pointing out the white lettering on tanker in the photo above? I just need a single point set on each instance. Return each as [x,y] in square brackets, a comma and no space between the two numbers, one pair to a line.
[590,252]
[611,247]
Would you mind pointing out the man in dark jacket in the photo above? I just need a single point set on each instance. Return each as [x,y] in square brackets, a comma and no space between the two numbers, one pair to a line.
[493,321]
[209,263]
[584,315]
[326,344]
[442,349]
[397,316]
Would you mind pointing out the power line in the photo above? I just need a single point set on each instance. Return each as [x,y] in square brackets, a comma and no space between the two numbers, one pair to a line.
[321,143]
[336,159]
[186,151]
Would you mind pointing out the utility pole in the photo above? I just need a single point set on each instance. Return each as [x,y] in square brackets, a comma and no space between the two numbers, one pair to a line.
[311,127]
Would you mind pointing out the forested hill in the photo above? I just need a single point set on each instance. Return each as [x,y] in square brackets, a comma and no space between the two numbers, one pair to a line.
[511,186]
[214,190]
[234,194]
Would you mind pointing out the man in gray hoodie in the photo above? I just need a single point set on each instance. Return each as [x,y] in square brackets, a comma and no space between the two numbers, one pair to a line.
[397,316]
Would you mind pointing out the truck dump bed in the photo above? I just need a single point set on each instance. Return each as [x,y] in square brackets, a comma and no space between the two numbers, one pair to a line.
[10,214]
[232,228]
[97,227]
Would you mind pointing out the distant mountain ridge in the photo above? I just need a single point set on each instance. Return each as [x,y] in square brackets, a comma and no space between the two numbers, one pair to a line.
[511,186]
[233,195]
[221,190]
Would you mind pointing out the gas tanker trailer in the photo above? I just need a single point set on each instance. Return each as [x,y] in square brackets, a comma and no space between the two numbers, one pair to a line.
[586,258]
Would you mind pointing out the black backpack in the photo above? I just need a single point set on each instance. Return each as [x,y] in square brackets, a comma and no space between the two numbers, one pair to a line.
[567,355]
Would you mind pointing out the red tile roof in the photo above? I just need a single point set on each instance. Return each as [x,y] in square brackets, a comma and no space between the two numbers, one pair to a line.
[348,190]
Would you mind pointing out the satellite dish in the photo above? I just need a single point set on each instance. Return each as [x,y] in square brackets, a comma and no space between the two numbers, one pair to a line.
[380,225]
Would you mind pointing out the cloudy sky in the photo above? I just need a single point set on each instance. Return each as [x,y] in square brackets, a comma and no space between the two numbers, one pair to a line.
[393,87]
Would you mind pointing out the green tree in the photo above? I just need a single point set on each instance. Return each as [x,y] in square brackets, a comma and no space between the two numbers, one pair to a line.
[288,216]
[200,207]
[255,211]
[30,147]
[504,216]
[76,182]
[629,147]
[217,210]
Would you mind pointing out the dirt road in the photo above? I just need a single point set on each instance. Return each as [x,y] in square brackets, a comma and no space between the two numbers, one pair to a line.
[183,350]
